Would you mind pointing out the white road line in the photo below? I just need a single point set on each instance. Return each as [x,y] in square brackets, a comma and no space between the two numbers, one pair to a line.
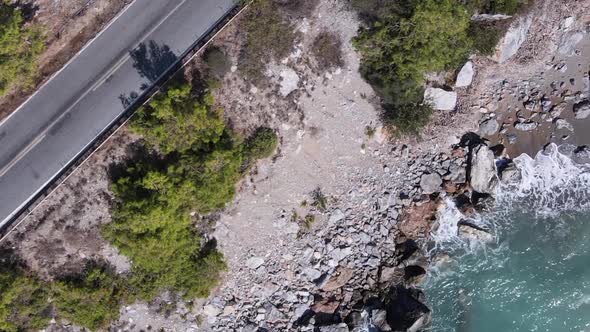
[126,57]
[59,185]
[106,76]
[69,62]
[22,154]
[92,88]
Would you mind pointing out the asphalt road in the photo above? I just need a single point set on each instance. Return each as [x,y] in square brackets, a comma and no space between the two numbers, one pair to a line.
[51,128]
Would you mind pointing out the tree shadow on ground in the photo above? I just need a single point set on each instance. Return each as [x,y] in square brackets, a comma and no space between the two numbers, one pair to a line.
[138,155]
[28,10]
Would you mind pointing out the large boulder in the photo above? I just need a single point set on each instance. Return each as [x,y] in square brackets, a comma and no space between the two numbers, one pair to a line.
[440,99]
[465,76]
[483,177]
[513,39]
[405,309]
[569,42]
[289,81]
[563,124]
[581,155]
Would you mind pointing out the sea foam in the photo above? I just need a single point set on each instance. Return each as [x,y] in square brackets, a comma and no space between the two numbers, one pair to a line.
[551,184]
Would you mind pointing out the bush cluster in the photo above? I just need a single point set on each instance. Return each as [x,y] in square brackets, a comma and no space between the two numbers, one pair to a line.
[91,299]
[21,45]
[193,169]
[401,41]
[23,300]
[183,168]
[508,7]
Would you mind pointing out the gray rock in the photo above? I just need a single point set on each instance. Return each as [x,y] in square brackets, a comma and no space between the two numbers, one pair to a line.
[582,109]
[420,323]
[569,42]
[470,231]
[430,183]
[511,137]
[300,310]
[582,155]
[557,110]
[563,124]
[342,327]
[483,170]
[489,127]
[546,104]
[339,254]
[440,99]
[526,125]
[211,312]
[379,319]
[465,76]
[510,174]
[513,39]
[312,273]
[336,216]
[254,262]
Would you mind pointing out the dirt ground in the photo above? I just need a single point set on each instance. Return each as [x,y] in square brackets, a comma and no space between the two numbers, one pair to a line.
[64,230]
[68,25]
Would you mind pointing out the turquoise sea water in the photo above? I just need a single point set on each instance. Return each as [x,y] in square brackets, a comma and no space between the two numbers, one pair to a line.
[537,276]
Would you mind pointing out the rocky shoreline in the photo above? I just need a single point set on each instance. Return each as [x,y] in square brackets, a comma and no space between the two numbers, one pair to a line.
[361,269]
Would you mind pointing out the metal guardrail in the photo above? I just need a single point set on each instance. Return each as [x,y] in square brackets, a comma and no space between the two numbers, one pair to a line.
[117,123]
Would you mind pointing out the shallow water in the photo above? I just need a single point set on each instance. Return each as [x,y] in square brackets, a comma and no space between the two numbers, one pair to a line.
[537,276]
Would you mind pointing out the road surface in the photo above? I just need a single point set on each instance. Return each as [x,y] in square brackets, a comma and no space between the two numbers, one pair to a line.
[70,111]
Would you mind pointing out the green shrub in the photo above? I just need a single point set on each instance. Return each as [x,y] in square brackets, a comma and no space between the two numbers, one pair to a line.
[509,7]
[486,36]
[156,194]
[24,301]
[92,299]
[152,225]
[308,221]
[261,144]
[371,11]
[319,200]
[178,120]
[403,43]
[217,62]
[20,48]
[268,37]
[406,119]
[434,38]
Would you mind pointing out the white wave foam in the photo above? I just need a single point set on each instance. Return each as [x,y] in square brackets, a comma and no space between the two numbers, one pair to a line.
[551,184]
[448,217]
